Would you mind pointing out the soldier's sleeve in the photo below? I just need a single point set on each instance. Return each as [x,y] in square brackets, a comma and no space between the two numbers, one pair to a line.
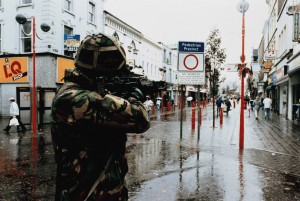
[112,111]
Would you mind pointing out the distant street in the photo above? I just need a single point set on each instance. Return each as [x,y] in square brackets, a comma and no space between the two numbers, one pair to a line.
[163,167]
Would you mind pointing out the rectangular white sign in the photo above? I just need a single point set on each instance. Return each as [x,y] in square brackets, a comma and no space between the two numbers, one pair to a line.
[191,78]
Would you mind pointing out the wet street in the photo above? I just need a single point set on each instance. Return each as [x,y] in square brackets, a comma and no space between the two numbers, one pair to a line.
[167,165]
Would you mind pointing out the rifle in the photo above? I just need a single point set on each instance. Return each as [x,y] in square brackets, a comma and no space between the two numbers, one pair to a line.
[121,83]
[125,81]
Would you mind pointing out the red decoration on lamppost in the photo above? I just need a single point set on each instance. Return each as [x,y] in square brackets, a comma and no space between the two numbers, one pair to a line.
[242,7]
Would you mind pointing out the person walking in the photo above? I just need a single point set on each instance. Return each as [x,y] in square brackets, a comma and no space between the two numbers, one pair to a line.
[148,105]
[228,105]
[219,102]
[256,106]
[267,106]
[14,112]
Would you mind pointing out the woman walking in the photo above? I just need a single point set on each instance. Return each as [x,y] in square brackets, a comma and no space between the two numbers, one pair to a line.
[256,106]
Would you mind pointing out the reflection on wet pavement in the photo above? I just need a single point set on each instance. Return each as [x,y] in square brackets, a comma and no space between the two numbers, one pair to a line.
[164,166]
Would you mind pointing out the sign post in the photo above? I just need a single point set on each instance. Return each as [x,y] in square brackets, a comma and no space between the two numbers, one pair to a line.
[190,67]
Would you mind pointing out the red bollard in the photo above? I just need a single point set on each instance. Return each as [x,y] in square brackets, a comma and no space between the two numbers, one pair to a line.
[153,109]
[221,116]
[168,106]
[193,117]
[233,103]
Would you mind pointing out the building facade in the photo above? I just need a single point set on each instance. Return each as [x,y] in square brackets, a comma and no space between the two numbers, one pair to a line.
[40,59]
[69,21]
[279,53]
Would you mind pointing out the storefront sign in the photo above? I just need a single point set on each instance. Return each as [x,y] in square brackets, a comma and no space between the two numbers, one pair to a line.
[71,42]
[62,65]
[14,70]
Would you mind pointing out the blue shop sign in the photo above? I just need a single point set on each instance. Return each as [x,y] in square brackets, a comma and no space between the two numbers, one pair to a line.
[71,42]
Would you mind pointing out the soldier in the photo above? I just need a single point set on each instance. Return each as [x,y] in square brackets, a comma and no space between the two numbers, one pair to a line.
[89,125]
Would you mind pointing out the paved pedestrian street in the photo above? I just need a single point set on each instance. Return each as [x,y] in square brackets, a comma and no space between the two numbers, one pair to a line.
[170,162]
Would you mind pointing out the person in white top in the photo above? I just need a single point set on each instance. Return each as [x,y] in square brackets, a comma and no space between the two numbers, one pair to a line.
[267,106]
[14,112]
[148,105]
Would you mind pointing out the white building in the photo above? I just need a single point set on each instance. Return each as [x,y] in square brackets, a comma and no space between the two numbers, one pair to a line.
[69,18]
[279,52]
[69,21]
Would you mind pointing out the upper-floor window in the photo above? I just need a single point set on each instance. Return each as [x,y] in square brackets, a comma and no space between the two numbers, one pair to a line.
[0,3]
[26,36]
[26,1]
[68,5]
[91,17]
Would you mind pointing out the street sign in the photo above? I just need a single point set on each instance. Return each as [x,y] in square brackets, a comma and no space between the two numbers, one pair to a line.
[291,10]
[191,78]
[270,55]
[191,63]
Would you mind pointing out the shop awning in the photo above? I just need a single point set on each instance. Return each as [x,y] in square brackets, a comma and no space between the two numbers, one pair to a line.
[268,88]
[282,81]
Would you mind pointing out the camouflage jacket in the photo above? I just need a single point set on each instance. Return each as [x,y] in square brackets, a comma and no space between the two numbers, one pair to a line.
[89,138]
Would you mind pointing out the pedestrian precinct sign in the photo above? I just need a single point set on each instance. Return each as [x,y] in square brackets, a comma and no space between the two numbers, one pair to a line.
[191,63]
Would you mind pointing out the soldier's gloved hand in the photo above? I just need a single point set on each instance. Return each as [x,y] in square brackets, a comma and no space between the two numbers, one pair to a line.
[137,94]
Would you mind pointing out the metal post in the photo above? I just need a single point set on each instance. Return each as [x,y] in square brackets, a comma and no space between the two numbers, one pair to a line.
[242,86]
[213,93]
[181,110]
[33,98]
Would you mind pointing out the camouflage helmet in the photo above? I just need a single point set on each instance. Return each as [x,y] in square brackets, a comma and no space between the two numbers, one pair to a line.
[101,54]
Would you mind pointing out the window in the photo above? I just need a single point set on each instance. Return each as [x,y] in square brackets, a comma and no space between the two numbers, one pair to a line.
[68,31]
[0,3]
[91,17]
[26,1]
[68,5]
[26,36]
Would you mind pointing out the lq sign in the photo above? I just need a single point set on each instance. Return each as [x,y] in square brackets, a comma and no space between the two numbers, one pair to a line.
[191,63]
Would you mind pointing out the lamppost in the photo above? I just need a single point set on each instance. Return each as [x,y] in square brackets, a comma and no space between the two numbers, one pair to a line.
[21,19]
[242,7]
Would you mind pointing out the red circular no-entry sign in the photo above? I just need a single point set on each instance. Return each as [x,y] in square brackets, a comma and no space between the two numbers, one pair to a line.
[189,60]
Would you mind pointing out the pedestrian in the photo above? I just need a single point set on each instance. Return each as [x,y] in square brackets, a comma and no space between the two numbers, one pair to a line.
[247,99]
[148,105]
[158,102]
[228,105]
[238,100]
[89,125]
[219,102]
[257,105]
[14,112]
[267,106]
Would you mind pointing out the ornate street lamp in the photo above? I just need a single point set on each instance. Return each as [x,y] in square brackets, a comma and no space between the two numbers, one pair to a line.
[242,7]
[21,19]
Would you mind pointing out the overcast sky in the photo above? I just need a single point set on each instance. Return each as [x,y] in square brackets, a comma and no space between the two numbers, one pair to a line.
[170,21]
